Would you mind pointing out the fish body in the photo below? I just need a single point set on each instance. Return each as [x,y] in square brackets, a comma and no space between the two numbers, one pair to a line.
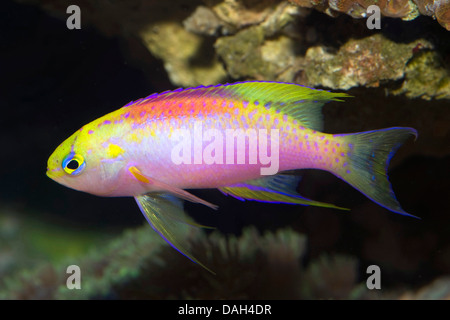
[234,137]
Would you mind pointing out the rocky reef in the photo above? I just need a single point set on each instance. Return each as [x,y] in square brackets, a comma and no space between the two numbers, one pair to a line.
[212,41]
[405,9]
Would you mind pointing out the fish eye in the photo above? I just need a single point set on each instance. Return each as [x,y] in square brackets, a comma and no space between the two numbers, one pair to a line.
[73,164]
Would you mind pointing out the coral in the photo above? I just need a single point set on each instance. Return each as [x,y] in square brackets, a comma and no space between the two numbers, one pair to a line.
[202,43]
[140,265]
[364,62]
[437,290]
[242,13]
[440,10]
[258,51]
[426,78]
[321,281]
[100,268]
[205,22]
[182,49]
[182,52]
[26,242]
[405,9]
[247,54]
[241,53]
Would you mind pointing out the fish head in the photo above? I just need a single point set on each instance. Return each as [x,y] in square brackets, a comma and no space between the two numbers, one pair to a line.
[83,162]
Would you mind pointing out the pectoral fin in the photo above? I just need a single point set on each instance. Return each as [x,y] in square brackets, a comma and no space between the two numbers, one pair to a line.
[179,215]
[139,176]
[168,219]
[277,189]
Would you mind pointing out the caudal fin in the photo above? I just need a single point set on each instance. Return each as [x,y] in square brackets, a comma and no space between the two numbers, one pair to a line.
[368,160]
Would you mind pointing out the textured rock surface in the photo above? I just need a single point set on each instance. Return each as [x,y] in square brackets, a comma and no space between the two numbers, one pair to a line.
[426,78]
[405,9]
[364,62]
[213,41]
[182,52]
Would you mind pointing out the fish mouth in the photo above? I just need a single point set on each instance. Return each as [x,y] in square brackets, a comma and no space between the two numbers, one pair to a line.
[52,174]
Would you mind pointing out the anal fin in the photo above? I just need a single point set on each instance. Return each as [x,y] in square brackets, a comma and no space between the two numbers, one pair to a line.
[275,189]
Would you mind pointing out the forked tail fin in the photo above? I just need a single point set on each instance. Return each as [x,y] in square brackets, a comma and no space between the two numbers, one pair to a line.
[368,160]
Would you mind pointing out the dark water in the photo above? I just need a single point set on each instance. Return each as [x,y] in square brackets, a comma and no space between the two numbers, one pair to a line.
[54,81]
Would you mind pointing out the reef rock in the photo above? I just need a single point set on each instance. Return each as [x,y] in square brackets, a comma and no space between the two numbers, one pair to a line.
[426,78]
[215,41]
[182,53]
[405,9]
[363,62]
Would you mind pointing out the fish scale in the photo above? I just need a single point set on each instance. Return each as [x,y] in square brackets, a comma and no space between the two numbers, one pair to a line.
[237,114]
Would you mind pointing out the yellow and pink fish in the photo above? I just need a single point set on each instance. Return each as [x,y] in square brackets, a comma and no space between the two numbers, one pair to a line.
[234,137]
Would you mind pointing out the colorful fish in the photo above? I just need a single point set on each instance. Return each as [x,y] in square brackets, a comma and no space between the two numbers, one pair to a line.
[234,137]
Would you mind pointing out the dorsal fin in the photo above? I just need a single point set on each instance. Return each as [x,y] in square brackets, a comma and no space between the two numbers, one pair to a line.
[302,103]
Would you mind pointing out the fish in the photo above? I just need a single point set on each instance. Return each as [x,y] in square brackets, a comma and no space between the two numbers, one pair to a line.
[241,138]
